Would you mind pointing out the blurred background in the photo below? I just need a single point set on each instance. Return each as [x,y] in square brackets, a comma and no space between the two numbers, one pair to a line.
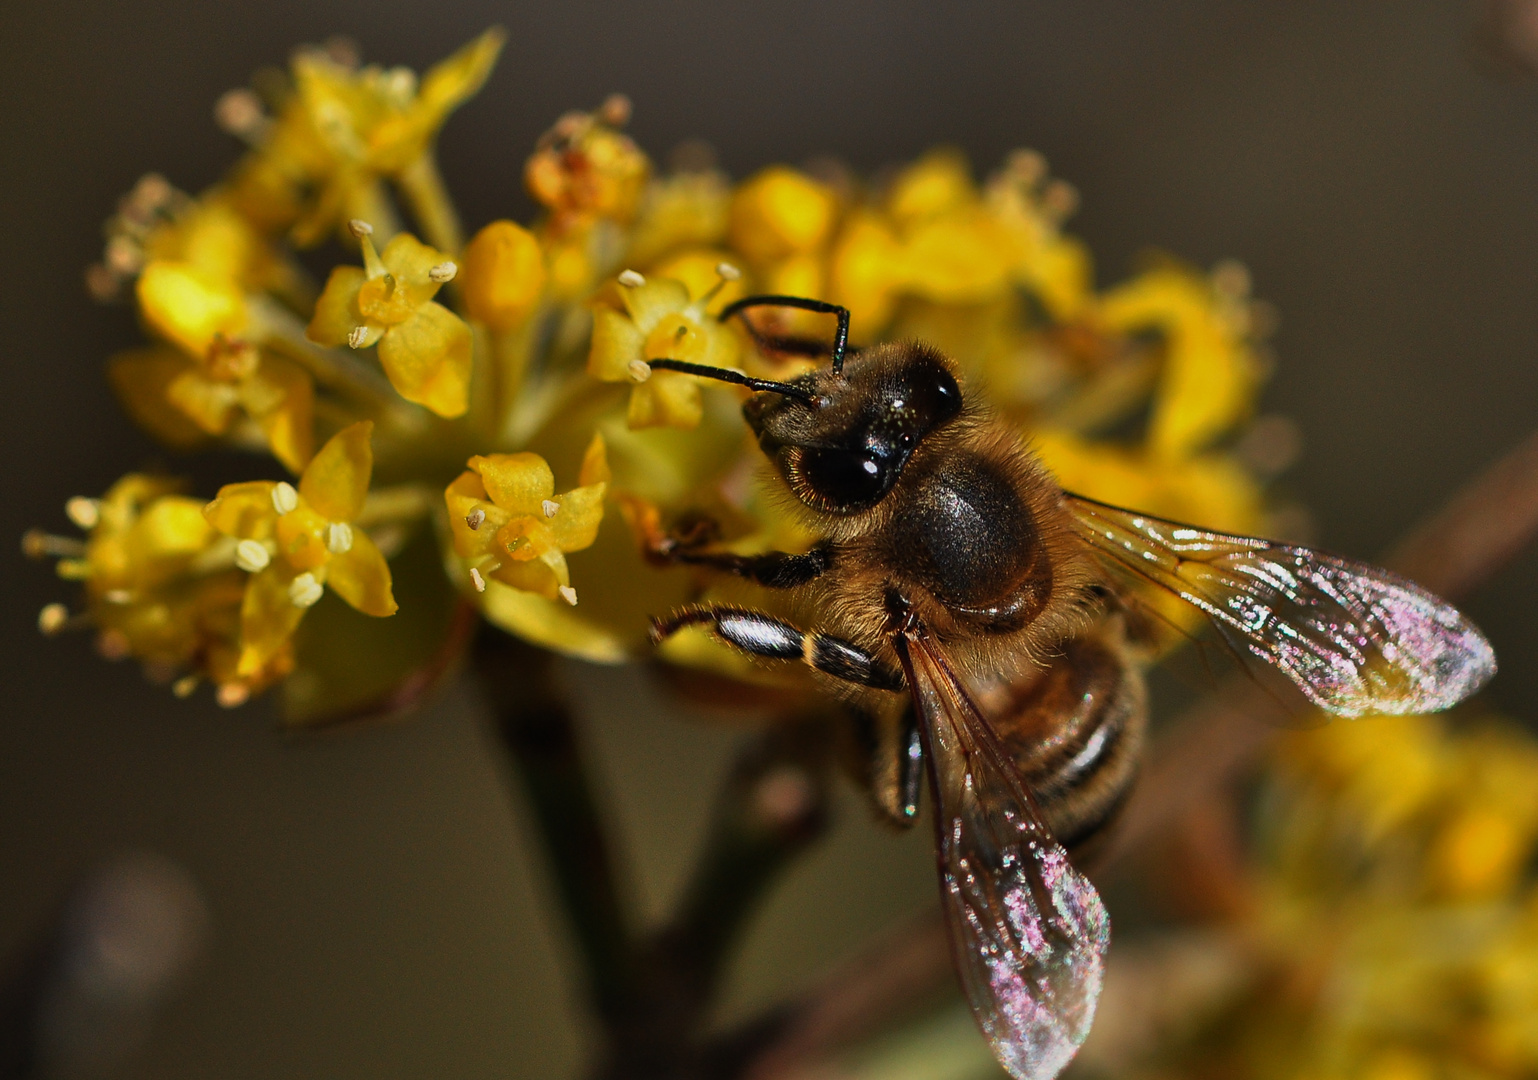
[364,903]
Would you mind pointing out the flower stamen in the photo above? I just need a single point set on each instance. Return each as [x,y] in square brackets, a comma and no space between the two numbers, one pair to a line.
[285,499]
[304,591]
[252,556]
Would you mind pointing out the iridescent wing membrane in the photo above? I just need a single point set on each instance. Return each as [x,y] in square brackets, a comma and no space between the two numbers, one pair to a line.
[1028,932]
[1354,638]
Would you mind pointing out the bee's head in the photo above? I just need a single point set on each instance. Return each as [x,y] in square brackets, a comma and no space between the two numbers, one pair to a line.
[841,442]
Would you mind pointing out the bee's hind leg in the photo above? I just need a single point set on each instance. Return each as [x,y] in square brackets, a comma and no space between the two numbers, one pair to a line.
[758,634]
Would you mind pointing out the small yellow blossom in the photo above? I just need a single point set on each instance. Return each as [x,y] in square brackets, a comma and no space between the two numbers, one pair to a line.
[687,210]
[344,128]
[503,275]
[190,307]
[183,401]
[656,319]
[294,542]
[585,169]
[1209,373]
[511,527]
[424,347]
[780,213]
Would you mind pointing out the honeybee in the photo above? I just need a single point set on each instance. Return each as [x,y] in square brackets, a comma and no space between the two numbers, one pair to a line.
[952,569]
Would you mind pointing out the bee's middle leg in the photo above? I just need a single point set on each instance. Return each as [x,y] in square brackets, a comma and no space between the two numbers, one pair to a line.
[759,634]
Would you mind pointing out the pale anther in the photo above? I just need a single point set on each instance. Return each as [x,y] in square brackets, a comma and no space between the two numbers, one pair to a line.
[444,271]
[549,506]
[118,596]
[474,518]
[568,594]
[339,538]
[252,556]
[360,228]
[232,695]
[184,686]
[476,580]
[357,337]
[639,370]
[85,513]
[728,271]
[630,279]
[113,645]
[304,590]
[284,498]
[52,618]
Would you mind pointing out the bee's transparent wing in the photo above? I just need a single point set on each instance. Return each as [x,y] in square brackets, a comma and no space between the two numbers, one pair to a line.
[1356,639]
[1028,932]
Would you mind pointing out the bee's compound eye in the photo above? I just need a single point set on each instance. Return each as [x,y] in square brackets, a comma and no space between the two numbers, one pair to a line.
[842,480]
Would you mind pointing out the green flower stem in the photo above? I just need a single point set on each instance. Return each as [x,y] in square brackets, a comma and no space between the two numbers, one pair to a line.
[536,728]
[427,195]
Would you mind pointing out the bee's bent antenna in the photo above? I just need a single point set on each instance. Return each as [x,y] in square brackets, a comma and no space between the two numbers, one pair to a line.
[705,371]
[822,307]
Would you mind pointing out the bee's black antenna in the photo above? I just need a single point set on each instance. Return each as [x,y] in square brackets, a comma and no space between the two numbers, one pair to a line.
[705,371]
[822,307]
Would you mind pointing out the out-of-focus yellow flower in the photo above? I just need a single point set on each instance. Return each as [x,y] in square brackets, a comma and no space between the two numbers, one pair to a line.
[584,168]
[781,212]
[424,347]
[503,275]
[511,527]
[295,542]
[344,128]
[688,210]
[183,401]
[190,307]
[1209,374]
[160,585]
[656,319]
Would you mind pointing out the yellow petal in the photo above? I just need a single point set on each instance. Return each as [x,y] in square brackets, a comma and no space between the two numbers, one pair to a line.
[336,312]
[781,212]
[616,342]
[336,482]
[595,462]
[141,379]
[503,275]
[427,358]
[650,302]
[534,576]
[464,497]
[552,623]
[938,182]
[450,82]
[409,261]
[517,483]
[667,399]
[575,525]
[281,397]
[523,538]
[244,511]
[865,273]
[208,403]
[267,618]
[189,307]
[361,576]
[172,525]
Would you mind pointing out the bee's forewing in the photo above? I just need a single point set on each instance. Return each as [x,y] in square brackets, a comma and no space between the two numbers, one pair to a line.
[1028,931]
[1356,639]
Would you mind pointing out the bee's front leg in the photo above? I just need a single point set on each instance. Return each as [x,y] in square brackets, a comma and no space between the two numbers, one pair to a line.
[758,634]
[772,569]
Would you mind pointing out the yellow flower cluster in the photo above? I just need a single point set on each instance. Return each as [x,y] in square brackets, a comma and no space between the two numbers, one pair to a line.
[476,371]
[1394,929]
